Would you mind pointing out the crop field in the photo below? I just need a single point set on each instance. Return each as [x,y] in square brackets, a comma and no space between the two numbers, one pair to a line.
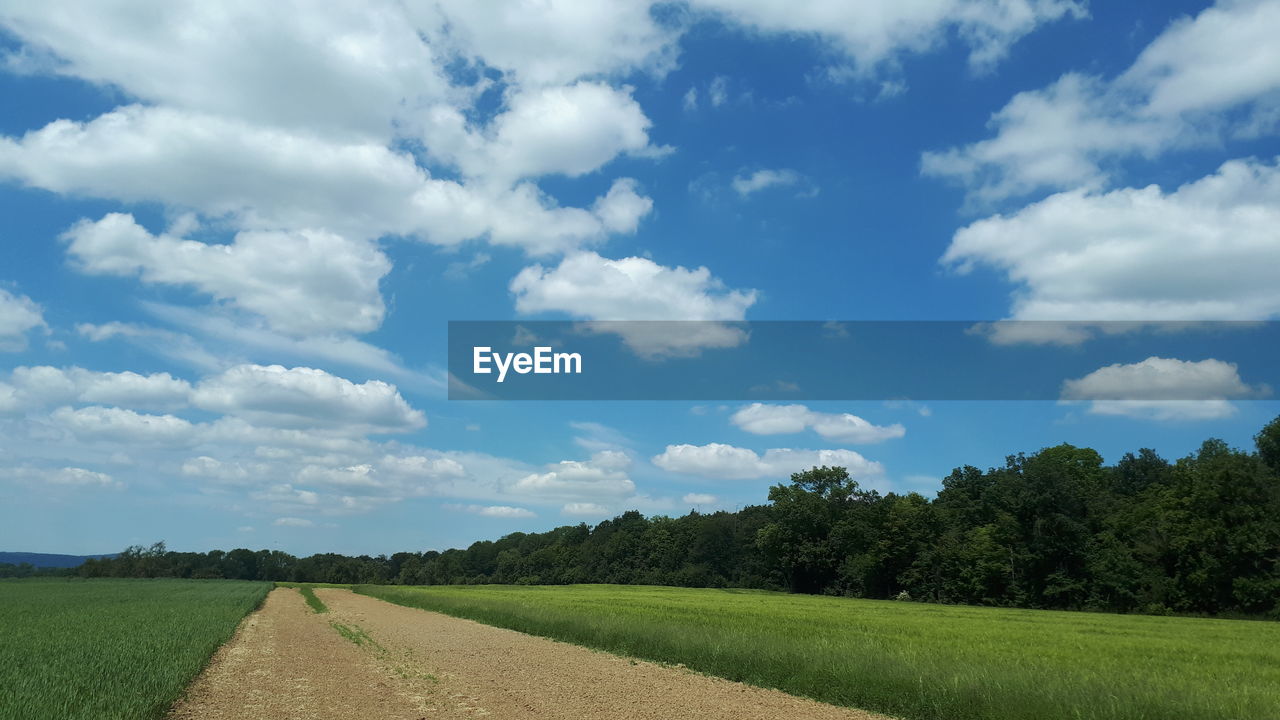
[111,648]
[925,662]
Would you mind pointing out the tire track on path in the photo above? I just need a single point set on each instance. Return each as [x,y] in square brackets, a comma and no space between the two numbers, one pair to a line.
[285,663]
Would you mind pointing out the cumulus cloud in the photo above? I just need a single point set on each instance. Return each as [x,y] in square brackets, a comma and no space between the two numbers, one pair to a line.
[762,419]
[1205,78]
[717,460]
[422,466]
[495,511]
[569,130]
[66,476]
[264,178]
[759,180]
[80,476]
[586,285]
[303,283]
[874,34]
[272,179]
[18,315]
[558,43]
[204,466]
[584,509]
[348,68]
[275,396]
[603,476]
[43,385]
[279,449]
[698,499]
[293,522]
[123,425]
[621,209]
[1201,252]
[1163,389]
[633,288]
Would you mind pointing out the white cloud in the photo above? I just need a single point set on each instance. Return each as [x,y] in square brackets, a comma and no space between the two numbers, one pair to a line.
[228,472]
[759,180]
[603,476]
[422,466]
[18,315]
[586,285]
[1159,378]
[584,509]
[1165,410]
[80,476]
[1163,389]
[299,461]
[569,130]
[275,396]
[718,460]
[303,283]
[718,91]
[348,68]
[559,41]
[506,511]
[876,33]
[690,100]
[1221,58]
[237,339]
[698,499]
[496,511]
[596,438]
[1202,79]
[621,209]
[1202,252]
[107,331]
[66,476]
[761,419]
[293,522]
[265,178]
[10,400]
[175,346]
[286,495]
[289,181]
[43,385]
[123,425]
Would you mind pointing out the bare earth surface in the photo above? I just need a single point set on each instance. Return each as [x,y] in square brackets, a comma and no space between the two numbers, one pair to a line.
[288,662]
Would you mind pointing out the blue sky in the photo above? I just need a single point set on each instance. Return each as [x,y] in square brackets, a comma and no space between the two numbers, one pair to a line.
[234,235]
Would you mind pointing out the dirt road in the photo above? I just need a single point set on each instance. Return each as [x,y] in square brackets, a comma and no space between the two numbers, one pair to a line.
[369,659]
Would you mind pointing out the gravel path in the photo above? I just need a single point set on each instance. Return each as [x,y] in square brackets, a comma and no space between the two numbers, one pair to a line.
[287,662]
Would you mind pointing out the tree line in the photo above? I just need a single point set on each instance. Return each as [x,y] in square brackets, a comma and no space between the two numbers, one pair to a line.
[1054,529]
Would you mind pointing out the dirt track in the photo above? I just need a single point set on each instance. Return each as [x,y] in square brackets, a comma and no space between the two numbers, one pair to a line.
[287,662]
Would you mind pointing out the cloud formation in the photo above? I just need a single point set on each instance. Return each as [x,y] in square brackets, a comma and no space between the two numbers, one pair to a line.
[762,419]
[1163,389]
[1202,80]
[1201,252]
[717,460]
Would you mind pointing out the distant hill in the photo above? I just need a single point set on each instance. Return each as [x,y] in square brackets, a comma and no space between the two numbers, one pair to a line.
[47,560]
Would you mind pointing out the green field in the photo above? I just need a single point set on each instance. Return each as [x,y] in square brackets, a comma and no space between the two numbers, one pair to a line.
[929,662]
[111,648]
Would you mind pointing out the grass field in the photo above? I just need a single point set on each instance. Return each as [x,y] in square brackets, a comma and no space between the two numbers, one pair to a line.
[926,662]
[107,649]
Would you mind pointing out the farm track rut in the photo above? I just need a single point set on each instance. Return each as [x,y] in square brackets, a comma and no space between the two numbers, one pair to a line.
[287,662]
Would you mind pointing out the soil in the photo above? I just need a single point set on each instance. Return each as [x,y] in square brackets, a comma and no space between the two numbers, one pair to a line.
[366,658]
